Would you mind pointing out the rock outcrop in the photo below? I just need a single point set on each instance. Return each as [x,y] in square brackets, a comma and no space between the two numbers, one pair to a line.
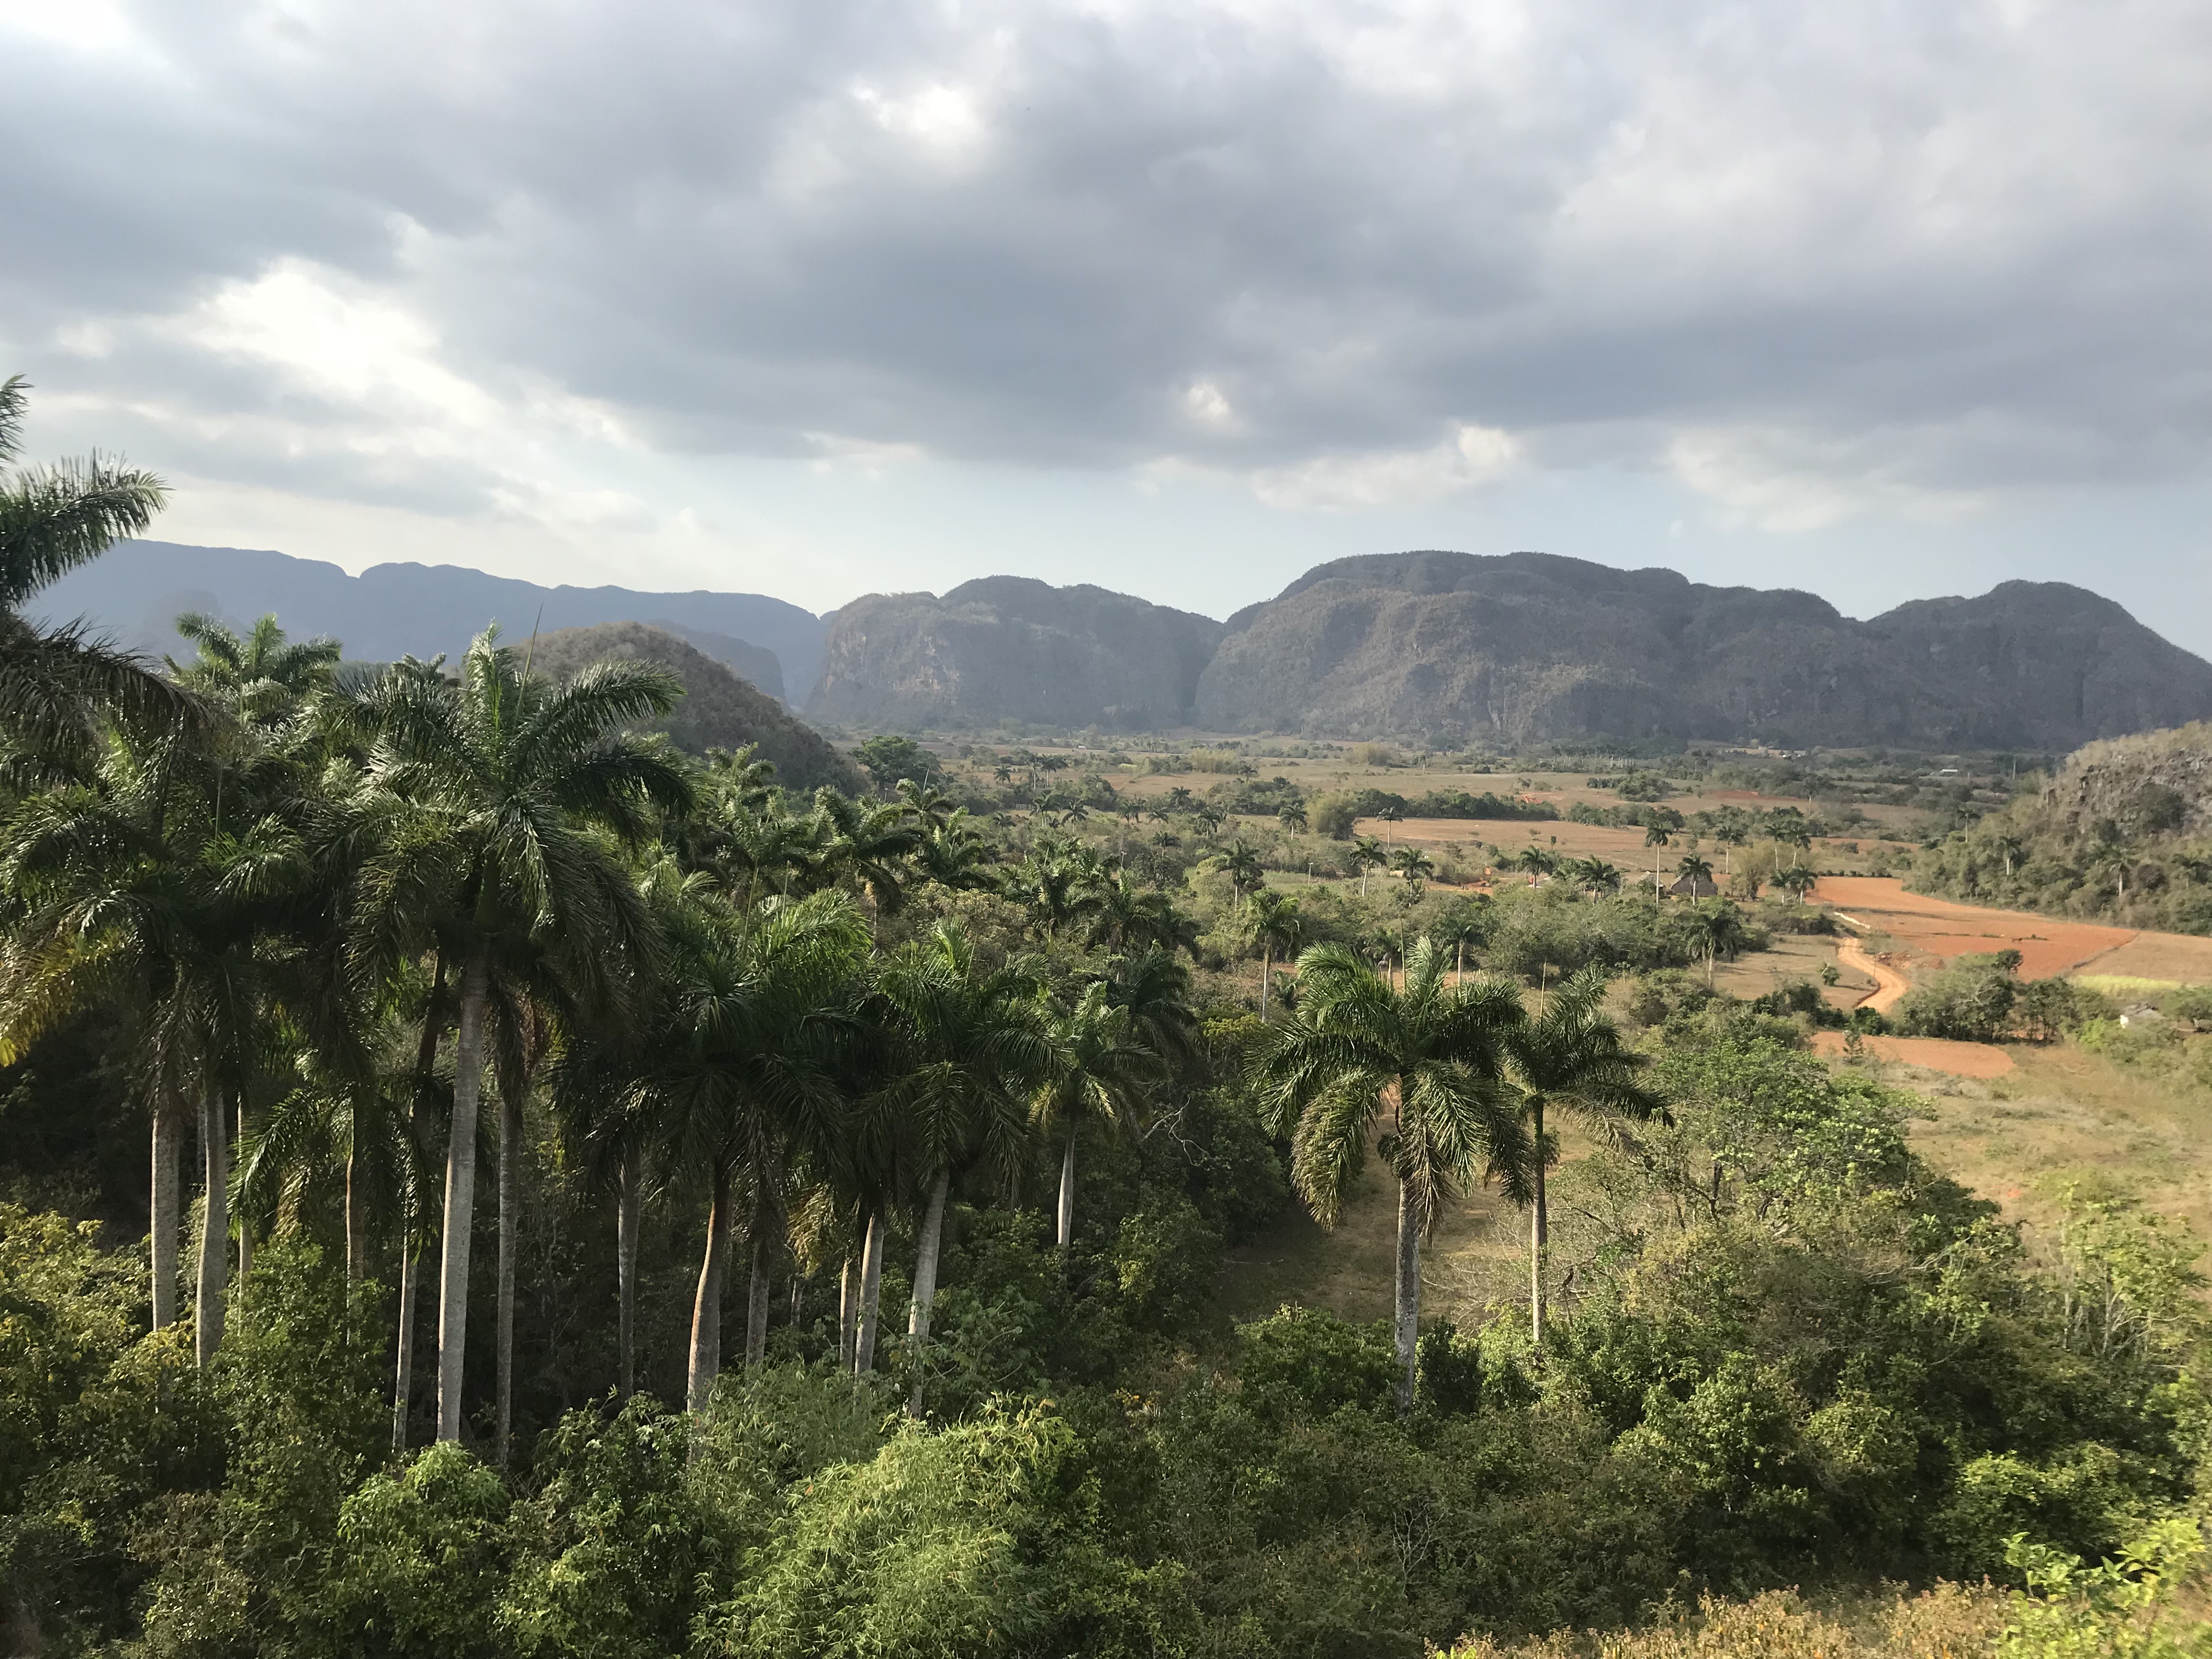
[718,711]
[1009,646]
[1529,647]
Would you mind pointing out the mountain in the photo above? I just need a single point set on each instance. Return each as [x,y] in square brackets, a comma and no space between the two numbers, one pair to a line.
[137,588]
[1010,646]
[1529,647]
[718,711]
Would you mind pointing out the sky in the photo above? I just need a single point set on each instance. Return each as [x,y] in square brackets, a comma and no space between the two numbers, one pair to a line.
[1886,299]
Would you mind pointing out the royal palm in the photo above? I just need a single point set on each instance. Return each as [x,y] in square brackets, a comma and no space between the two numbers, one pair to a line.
[1426,1065]
[494,803]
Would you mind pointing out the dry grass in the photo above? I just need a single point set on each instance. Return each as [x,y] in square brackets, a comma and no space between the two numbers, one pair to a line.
[2169,958]
[2065,1113]
[1949,1621]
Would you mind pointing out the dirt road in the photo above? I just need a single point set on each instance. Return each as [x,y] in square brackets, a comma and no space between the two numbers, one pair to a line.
[1889,985]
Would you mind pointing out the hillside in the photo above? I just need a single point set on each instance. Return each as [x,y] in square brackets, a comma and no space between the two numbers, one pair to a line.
[1008,645]
[2122,831]
[137,588]
[718,710]
[1530,647]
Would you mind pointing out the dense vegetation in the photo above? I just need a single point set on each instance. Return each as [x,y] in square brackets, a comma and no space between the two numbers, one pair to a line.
[943,1127]
[2118,834]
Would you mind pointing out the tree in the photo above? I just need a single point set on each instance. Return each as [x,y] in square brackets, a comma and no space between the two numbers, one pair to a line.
[131,894]
[1708,929]
[1366,854]
[890,760]
[1242,865]
[1655,836]
[1128,916]
[1413,867]
[1694,869]
[1292,817]
[1275,925]
[1570,1056]
[491,802]
[1427,1065]
[58,684]
[1796,881]
[1099,1070]
[751,1068]
[969,1053]
[1060,883]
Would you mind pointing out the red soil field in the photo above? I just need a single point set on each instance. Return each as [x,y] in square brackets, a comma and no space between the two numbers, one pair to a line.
[1940,927]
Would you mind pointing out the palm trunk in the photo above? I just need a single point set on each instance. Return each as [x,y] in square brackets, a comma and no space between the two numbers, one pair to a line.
[245,1229]
[706,1305]
[848,1315]
[460,1193]
[629,1206]
[402,1373]
[161,1246]
[871,1291]
[215,1229]
[756,1295]
[925,1280]
[1540,1232]
[1068,1190]
[510,1226]
[356,1216]
[1266,963]
[1408,1293]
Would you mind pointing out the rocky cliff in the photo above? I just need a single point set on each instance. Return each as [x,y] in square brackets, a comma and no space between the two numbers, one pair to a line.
[1529,647]
[718,710]
[1008,645]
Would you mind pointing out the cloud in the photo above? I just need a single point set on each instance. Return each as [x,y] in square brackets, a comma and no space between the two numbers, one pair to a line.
[1811,261]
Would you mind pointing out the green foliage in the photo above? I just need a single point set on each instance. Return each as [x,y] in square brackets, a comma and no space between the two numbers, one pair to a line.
[2110,1609]
[984,1539]
[887,759]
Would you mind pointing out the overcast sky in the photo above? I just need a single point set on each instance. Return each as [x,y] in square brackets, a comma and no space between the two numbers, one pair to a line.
[1886,299]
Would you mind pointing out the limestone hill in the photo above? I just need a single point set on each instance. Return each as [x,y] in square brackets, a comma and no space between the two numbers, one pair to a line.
[719,709]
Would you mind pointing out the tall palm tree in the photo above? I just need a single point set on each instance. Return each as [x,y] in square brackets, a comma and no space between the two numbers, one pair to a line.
[1100,1071]
[1694,869]
[1275,924]
[58,684]
[1655,836]
[263,676]
[1128,916]
[1569,1056]
[744,1074]
[1413,867]
[1060,883]
[495,804]
[129,897]
[970,1053]
[1709,929]
[1427,1064]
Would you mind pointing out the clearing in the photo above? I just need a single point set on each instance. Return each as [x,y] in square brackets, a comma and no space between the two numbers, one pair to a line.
[1943,929]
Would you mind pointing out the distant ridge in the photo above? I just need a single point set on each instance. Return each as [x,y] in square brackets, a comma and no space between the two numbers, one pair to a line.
[1530,647]
[137,588]
[1444,647]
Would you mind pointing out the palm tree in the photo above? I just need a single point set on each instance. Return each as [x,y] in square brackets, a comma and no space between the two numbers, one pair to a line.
[129,897]
[1292,817]
[1428,1062]
[261,677]
[1275,925]
[492,801]
[868,846]
[1128,916]
[1570,1056]
[1693,870]
[1655,836]
[744,1074]
[1413,867]
[1100,1071]
[1708,929]
[1059,883]
[1796,881]
[57,685]
[1366,853]
[1242,865]
[970,1053]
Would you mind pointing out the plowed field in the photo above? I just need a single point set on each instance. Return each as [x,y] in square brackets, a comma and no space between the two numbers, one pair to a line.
[1940,927]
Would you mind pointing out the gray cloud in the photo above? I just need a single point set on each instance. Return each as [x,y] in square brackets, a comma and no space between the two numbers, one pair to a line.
[1802,255]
